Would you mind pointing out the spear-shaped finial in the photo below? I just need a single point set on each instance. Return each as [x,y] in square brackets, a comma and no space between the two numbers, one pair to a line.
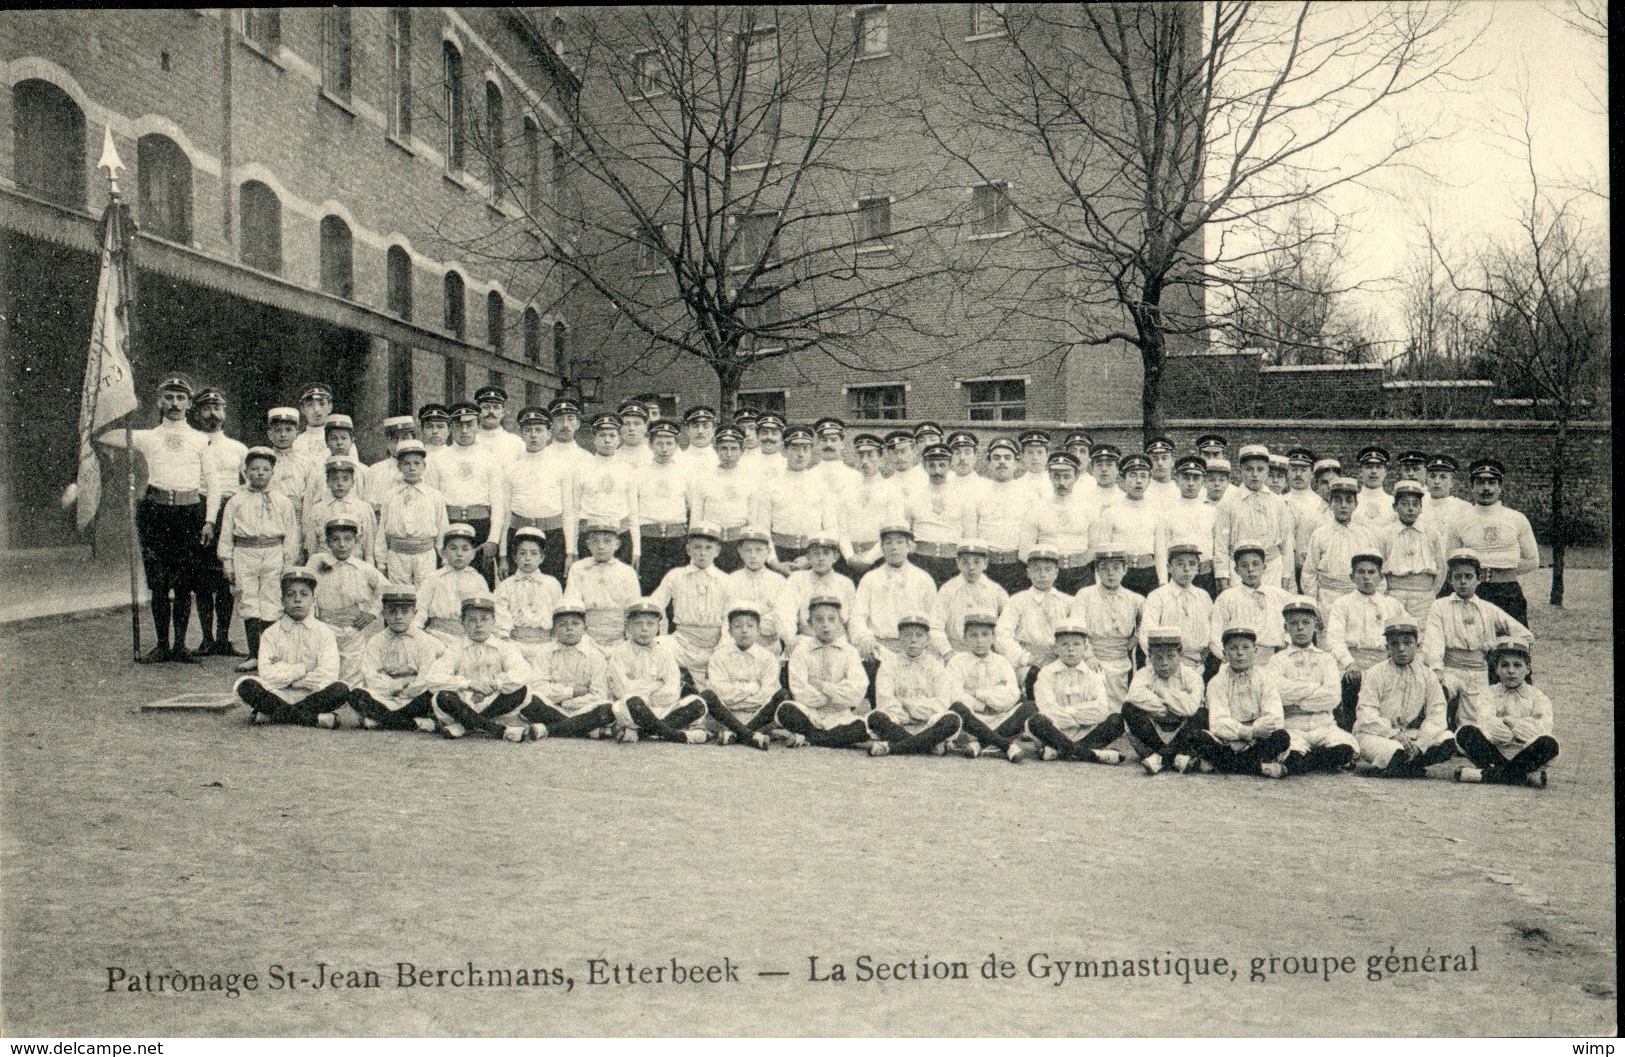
[110,160]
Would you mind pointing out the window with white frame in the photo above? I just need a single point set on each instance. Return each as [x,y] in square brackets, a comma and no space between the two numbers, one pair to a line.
[760,48]
[990,208]
[651,253]
[987,20]
[877,401]
[870,25]
[261,27]
[760,311]
[753,239]
[997,400]
[874,221]
[647,72]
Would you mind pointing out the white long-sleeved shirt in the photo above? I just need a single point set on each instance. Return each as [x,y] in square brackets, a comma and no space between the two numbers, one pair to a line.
[1240,606]
[538,485]
[1187,608]
[985,685]
[662,491]
[251,513]
[1063,524]
[940,513]
[465,475]
[1374,509]
[1071,695]
[526,600]
[559,672]
[414,510]
[1309,512]
[1327,570]
[649,672]
[1137,527]
[793,504]
[744,680]
[804,585]
[768,592]
[441,595]
[1178,696]
[347,589]
[1510,718]
[1500,535]
[352,506]
[872,503]
[696,598]
[297,657]
[604,491]
[1242,706]
[885,595]
[223,467]
[394,667]
[1392,698]
[1309,680]
[1190,521]
[1259,517]
[959,598]
[1413,550]
[478,668]
[604,589]
[176,459]
[505,446]
[1463,631]
[1112,619]
[1354,626]
[1026,630]
[828,677]
[911,689]
[999,512]
[723,497]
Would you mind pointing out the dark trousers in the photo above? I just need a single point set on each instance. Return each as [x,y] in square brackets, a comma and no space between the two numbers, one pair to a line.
[1496,767]
[899,742]
[1324,758]
[484,563]
[1071,581]
[728,558]
[1207,583]
[215,603]
[941,570]
[1012,576]
[999,737]
[403,718]
[1141,581]
[660,556]
[783,555]
[1509,596]
[560,725]
[1146,731]
[303,712]
[792,718]
[675,722]
[1226,760]
[1099,736]
[1344,712]
[727,717]
[552,554]
[169,556]
[486,720]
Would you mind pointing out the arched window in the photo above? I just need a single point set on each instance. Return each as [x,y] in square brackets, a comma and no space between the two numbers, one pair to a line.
[495,131]
[533,337]
[495,323]
[398,282]
[260,219]
[337,258]
[561,354]
[164,197]
[457,323]
[49,142]
[452,84]
[533,166]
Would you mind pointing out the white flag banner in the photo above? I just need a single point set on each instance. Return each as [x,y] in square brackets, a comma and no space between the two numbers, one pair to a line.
[109,388]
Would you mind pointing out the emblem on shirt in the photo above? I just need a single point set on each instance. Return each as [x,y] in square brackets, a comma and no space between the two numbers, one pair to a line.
[465,470]
[938,504]
[1492,533]
[174,443]
[1469,617]
[605,485]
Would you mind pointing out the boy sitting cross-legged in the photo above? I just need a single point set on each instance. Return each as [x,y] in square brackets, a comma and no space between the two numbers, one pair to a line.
[1246,730]
[1075,718]
[981,686]
[568,681]
[911,714]
[480,679]
[1508,731]
[1311,687]
[645,683]
[1165,697]
[743,680]
[1400,722]
[828,684]
[297,678]
[394,692]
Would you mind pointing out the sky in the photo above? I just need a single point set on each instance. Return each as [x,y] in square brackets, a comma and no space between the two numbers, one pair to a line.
[1475,186]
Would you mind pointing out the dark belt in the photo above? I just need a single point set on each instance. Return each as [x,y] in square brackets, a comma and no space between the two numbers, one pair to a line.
[792,540]
[937,550]
[1075,561]
[663,530]
[256,541]
[468,513]
[731,535]
[1142,561]
[1500,576]
[547,524]
[171,497]
[408,545]
[1001,557]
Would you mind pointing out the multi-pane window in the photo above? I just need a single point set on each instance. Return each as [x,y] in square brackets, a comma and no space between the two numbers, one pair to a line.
[336,52]
[48,133]
[561,350]
[456,318]
[647,70]
[651,254]
[453,103]
[990,208]
[870,24]
[987,19]
[998,400]
[761,51]
[753,238]
[164,174]
[760,311]
[874,220]
[261,27]
[494,141]
[533,337]
[260,224]
[337,258]
[400,72]
[398,281]
[496,323]
[877,401]
[533,166]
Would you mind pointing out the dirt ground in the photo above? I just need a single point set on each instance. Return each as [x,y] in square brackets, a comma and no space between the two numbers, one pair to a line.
[199,844]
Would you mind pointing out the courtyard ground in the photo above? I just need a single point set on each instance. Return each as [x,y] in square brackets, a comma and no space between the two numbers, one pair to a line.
[145,842]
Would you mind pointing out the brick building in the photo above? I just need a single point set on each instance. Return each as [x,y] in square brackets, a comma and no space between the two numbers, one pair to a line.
[300,178]
[1004,357]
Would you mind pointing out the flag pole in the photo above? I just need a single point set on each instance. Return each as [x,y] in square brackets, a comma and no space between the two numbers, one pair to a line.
[122,245]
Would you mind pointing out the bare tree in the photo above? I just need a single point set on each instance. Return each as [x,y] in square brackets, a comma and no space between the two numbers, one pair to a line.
[1162,138]
[729,204]
[1547,298]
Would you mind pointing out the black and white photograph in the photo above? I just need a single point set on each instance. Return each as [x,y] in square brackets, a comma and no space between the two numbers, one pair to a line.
[1032,520]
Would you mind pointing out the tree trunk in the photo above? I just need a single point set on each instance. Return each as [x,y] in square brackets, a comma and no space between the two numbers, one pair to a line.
[728,378]
[1153,349]
[1559,519]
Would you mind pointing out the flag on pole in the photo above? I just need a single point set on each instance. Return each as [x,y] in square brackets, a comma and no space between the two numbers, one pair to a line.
[109,389]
